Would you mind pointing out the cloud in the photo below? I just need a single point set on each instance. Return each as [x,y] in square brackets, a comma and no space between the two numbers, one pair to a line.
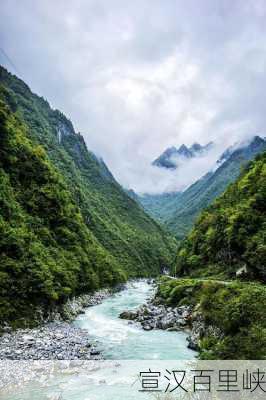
[158,180]
[137,77]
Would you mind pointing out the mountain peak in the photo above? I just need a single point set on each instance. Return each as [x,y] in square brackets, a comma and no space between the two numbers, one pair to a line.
[196,147]
[257,140]
[169,158]
[184,151]
[165,159]
[170,150]
[183,147]
[255,143]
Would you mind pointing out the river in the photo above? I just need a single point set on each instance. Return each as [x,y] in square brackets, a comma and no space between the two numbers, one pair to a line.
[119,340]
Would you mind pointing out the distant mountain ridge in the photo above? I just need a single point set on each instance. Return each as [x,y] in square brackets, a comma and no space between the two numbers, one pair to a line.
[170,157]
[245,146]
[178,211]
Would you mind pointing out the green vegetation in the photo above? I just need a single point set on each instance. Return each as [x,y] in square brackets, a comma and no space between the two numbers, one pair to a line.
[236,309]
[66,225]
[227,241]
[139,244]
[203,192]
[230,235]
[179,211]
[161,207]
[47,252]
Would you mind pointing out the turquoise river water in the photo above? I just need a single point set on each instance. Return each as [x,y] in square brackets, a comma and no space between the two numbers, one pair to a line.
[121,343]
[120,340]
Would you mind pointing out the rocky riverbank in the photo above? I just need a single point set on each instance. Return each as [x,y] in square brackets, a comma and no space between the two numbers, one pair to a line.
[73,307]
[54,341]
[55,338]
[154,315]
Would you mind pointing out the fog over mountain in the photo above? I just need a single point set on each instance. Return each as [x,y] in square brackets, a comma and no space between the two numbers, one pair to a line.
[173,157]
[161,179]
[139,77]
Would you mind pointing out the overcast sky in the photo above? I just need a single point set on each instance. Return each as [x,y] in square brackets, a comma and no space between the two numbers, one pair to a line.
[138,76]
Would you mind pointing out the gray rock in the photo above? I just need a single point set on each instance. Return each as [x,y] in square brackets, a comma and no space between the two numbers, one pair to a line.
[193,343]
[28,338]
[165,322]
[54,396]
[147,327]
[131,315]
[181,322]
[153,315]
[94,352]
[174,328]
[59,336]
[54,341]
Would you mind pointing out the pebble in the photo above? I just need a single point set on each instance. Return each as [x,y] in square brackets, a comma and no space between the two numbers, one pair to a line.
[57,340]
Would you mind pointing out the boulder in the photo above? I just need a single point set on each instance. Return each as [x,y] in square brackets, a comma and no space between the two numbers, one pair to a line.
[193,343]
[147,327]
[181,322]
[166,322]
[174,328]
[131,315]
[28,338]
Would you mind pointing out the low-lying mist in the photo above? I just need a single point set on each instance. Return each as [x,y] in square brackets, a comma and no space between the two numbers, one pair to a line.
[148,179]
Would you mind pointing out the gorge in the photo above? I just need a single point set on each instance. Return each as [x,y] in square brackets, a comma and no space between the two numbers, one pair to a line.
[68,230]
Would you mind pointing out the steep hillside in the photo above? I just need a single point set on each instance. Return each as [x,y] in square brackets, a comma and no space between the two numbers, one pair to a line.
[228,320]
[160,206]
[229,237]
[47,253]
[204,191]
[178,211]
[135,243]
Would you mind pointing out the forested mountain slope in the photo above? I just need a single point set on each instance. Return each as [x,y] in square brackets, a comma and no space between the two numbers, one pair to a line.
[47,253]
[160,206]
[229,237]
[204,191]
[222,273]
[119,223]
[115,228]
[178,211]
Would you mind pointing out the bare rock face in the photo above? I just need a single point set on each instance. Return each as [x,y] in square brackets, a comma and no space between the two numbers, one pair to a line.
[197,332]
[201,329]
